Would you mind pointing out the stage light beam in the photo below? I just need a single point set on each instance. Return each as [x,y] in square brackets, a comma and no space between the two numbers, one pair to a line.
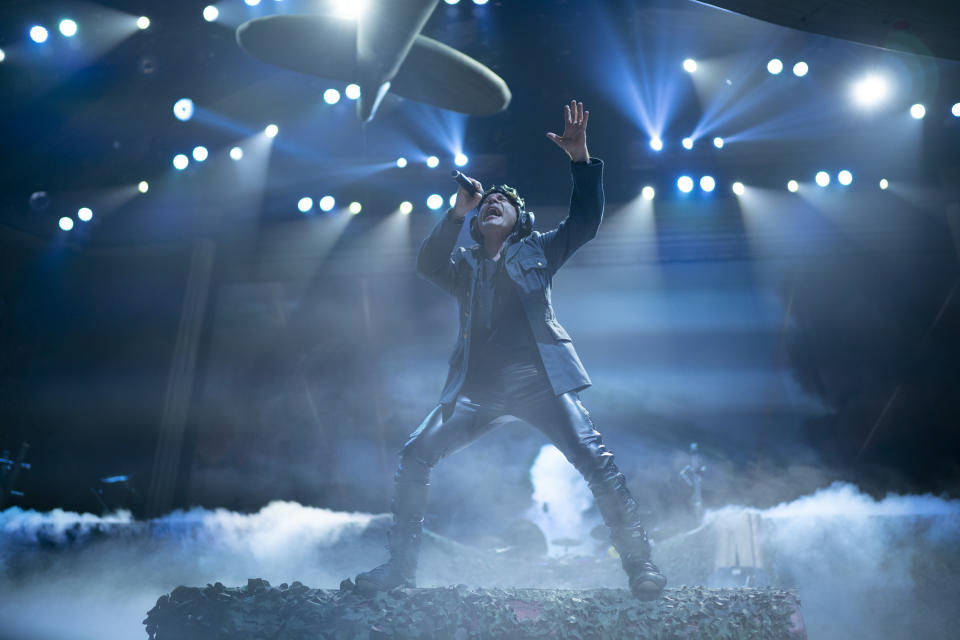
[143,187]
[200,153]
[738,188]
[870,91]
[352,91]
[68,28]
[435,201]
[3,56]
[822,178]
[210,13]
[183,109]
[66,223]
[331,96]
[401,162]
[845,177]
[689,65]
[460,160]
[85,214]
[800,69]
[917,111]
[884,184]
[685,184]
[648,193]
[433,162]
[236,153]
[327,203]
[687,143]
[355,208]
[180,162]
[39,34]
[955,109]
[406,207]
[718,142]
[707,183]
[656,144]
[793,186]
[775,66]
[271,130]
[143,22]
[304,204]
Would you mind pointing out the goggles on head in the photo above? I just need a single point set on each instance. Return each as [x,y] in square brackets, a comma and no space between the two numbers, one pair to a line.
[506,190]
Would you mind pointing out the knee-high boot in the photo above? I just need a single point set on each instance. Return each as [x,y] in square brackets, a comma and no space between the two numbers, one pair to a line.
[622,515]
[403,538]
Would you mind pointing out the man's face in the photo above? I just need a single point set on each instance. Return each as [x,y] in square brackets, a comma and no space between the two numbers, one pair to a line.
[497,212]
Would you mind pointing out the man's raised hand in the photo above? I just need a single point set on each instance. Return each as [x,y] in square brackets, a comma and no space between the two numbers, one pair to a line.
[574,138]
[466,201]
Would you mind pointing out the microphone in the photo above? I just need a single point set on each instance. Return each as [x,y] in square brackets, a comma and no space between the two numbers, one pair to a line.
[463,182]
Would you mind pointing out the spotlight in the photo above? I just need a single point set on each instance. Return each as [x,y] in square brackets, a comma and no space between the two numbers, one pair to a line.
[822,178]
[3,56]
[793,186]
[305,204]
[451,1]
[648,193]
[656,144]
[718,142]
[183,109]
[435,201]
[800,69]
[406,207]
[707,183]
[200,153]
[143,22]
[918,111]
[775,66]
[66,223]
[331,96]
[180,162]
[352,91]
[738,188]
[251,3]
[870,91]
[349,9]
[327,203]
[271,130]
[687,143]
[143,187]
[955,109]
[844,177]
[355,208]
[85,214]
[884,184]
[210,13]
[460,160]
[236,153]
[480,2]
[433,161]
[68,28]
[689,65]
[401,162]
[685,184]
[38,34]
[453,199]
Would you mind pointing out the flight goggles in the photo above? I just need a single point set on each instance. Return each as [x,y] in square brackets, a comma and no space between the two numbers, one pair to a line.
[506,190]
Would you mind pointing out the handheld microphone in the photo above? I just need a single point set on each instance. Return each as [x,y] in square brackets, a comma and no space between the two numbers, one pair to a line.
[463,182]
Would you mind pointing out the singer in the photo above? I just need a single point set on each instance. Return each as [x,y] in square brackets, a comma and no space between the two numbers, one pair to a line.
[513,357]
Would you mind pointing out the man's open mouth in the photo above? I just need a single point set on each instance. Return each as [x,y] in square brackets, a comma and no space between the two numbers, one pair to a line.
[492,212]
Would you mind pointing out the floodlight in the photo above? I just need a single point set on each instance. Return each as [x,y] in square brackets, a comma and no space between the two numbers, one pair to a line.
[271,130]
[481,2]
[331,96]
[327,203]
[955,109]
[433,162]
[143,22]
[349,9]
[800,69]
[236,153]
[689,65]
[435,201]
[210,13]
[687,143]
[3,55]
[685,184]
[793,186]
[822,178]
[68,28]
[648,193]
[656,144]
[355,208]
[352,91]
[870,91]
[844,177]
[183,109]
[918,111]
[775,66]
[884,184]
[180,162]
[718,142]
[38,34]
[305,204]
[401,162]
[738,188]
[707,183]
[252,3]
[451,1]
[200,153]
[406,207]
[66,223]
[460,160]
[143,187]
[85,214]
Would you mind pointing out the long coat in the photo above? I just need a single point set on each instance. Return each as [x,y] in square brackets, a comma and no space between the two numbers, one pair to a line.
[530,264]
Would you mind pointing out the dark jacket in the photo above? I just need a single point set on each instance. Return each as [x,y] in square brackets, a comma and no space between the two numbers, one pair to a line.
[530,263]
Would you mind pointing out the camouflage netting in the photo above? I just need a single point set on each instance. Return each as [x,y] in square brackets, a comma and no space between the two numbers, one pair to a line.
[295,611]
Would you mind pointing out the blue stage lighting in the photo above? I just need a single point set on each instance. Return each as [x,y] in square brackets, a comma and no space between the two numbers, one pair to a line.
[327,203]
[305,204]
[955,109]
[800,69]
[251,3]
[180,162]
[183,109]
[435,201]
[200,153]
[460,160]
[689,65]
[38,34]
[775,66]
[355,208]
[844,177]
[884,184]
[707,183]
[401,162]
[480,2]
[352,91]
[917,111]
[648,193]
[143,186]
[85,214]
[236,153]
[331,96]
[406,207]
[656,144]
[822,178]
[271,130]
[143,22]
[3,56]
[738,188]
[687,143]
[68,28]
[793,186]
[718,142]
[433,162]
[685,184]
[870,91]
[66,223]
[210,13]
[451,1]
